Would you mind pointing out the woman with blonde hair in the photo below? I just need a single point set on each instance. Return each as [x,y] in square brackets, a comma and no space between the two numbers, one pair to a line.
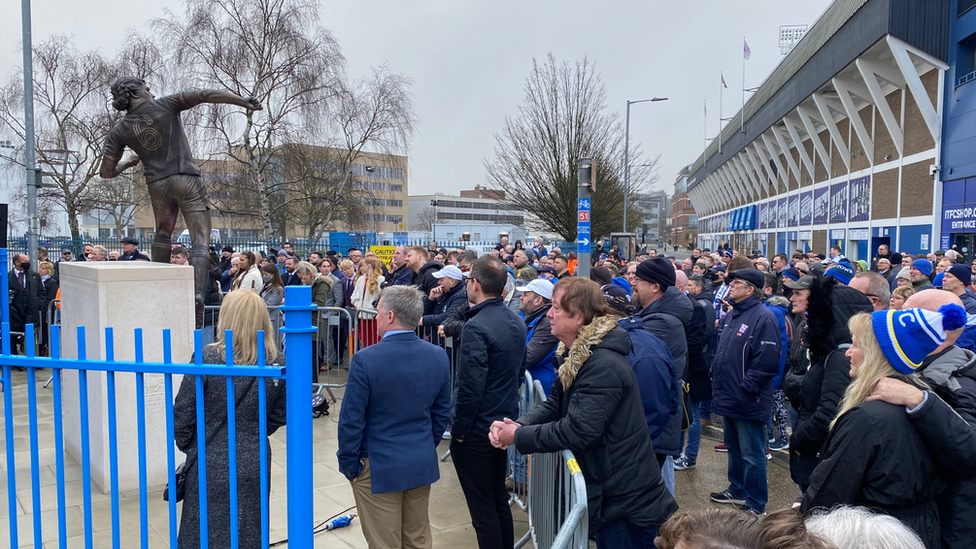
[874,456]
[243,313]
[365,295]
[900,296]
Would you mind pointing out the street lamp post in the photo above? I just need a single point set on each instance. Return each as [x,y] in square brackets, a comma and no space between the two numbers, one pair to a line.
[627,152]
[372,202]
[433,224]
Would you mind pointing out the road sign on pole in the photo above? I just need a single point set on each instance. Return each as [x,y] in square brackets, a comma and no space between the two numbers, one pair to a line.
[585,176]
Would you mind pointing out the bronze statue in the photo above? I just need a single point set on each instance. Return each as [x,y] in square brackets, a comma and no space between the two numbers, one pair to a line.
[152,129]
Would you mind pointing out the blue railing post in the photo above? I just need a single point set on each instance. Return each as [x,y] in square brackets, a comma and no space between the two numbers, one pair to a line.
[298,332]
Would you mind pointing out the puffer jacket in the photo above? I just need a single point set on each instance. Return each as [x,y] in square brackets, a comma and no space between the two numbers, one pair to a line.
[426,282]
[669,318]
[746,362]
[598,395]
[445,304]
[696,370]
[820,390]
[654,368]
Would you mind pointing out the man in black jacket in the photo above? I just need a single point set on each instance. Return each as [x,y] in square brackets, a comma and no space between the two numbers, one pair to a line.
[491,357]
[25,287]
[447,296]
[666,313]
[540,347]
[745,364]
[951,373]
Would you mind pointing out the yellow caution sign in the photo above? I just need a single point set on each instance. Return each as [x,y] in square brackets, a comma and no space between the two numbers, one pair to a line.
[384,253]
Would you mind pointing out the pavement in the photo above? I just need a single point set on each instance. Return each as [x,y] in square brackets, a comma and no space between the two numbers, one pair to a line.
[450,521]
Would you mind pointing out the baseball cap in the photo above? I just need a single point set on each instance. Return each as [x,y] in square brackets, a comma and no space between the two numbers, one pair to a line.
[450,271]
[539,287]
[803,284]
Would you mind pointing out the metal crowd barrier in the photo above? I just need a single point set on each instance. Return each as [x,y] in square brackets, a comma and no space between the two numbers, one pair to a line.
[518,462]
[558,517]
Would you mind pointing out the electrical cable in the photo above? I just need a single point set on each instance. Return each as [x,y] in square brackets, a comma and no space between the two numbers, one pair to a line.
[318,527]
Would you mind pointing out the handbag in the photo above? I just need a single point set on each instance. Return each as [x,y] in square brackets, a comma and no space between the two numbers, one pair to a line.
[185,466]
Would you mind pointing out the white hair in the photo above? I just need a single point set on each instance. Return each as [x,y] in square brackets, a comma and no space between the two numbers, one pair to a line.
[859,528]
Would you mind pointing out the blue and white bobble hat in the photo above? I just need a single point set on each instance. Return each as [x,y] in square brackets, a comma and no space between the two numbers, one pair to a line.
[909,335]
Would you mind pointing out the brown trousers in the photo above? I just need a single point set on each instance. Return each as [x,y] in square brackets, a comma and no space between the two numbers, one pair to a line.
[392,520]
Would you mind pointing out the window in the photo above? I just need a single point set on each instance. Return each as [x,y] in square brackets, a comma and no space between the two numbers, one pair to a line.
[965,6]
[476,237]
[966,62]
[450,236]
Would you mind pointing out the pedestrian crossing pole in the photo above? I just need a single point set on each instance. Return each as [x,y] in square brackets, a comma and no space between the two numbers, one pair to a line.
[586,177]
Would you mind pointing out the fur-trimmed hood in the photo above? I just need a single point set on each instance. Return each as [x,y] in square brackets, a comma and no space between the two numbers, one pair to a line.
[829,308]
[596,333]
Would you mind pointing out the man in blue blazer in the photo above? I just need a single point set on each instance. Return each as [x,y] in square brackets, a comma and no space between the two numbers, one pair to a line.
[396,406]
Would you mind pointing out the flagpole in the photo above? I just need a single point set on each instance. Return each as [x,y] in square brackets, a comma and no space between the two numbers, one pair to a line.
[742,113]
[721,93]
[705,130]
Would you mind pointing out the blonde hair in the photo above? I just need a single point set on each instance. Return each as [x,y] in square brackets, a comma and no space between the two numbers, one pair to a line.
[48,266]
[245,313]
[346,263]
[376,269]
[904,292]
[304,268]
[874,367]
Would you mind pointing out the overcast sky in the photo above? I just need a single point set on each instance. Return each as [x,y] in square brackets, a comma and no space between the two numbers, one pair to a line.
[469,60]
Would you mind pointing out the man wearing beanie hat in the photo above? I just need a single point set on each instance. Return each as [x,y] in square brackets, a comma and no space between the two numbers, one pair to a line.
[946,370]
[919,273]
[842,273]
[652,363]
[956,280]
[666,313]
[746,361]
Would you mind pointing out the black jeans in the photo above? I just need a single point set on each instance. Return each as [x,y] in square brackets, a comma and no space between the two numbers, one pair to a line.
[481,470]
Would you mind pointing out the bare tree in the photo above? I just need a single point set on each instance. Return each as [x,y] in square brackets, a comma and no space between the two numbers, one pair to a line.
[563,119]
[273,50]
[426,220]
[70,123]
[118,199]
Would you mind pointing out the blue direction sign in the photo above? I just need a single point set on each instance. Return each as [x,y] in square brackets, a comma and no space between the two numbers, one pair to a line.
[583,226]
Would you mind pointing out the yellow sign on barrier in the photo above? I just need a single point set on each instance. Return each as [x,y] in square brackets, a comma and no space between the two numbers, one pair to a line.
[573,466]
[384,253]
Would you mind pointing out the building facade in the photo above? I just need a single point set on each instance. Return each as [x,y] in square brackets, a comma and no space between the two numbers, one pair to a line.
[481,213]
[841,143]
[684,218]
[654,225]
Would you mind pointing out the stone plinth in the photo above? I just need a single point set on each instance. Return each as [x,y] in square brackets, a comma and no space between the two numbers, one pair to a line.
[124,295]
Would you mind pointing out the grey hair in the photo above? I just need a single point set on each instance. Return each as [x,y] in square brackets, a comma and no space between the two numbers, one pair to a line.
[406,302]
[877,285]
[102,250]
[859,528]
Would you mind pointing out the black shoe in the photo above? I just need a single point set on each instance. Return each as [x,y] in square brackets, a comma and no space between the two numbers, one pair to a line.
[726,497]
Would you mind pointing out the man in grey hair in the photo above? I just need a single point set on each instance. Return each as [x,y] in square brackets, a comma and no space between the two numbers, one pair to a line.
[396,406]
[859,528]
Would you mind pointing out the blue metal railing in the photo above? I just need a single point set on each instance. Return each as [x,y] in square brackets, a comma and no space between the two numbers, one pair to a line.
[296,375]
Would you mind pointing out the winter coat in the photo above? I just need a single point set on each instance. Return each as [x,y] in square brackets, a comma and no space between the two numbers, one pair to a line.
[660,389]
[321,290]
[707,298]
[540,347]
[876,458]
[445,304]
[969,302]
[400,277]
[820,390]
[489,369]
[924,284]
[746,362]
[248,453]
[952,376]
[252,280]
[669,318]
[780,307]
[797,361]
[595,411]
[696,370]
[426,282]
[455,321]
[364,298]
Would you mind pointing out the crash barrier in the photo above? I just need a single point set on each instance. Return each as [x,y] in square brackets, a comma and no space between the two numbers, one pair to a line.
[558,516]
[78,426]
[518,463]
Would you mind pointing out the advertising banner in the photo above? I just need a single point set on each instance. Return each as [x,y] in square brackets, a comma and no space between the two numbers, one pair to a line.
[821,201]
[860,206]
[763,211]
[838,202]
[782,212]
[772,216]
[806,208]
[794,210]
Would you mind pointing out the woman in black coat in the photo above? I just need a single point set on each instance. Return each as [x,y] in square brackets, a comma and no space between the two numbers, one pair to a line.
[820,389]
[245,314]
[47,293]
[874,456]
[595,410]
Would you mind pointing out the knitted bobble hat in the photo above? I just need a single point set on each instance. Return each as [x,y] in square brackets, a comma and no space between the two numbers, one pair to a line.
[908,336]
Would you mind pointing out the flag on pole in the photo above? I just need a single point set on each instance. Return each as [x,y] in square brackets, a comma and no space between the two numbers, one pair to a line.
[746,52]
[706,107]
[723,81]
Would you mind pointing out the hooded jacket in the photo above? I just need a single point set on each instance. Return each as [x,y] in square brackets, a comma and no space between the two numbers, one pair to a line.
[654,368]
[746,362]
[595,411]
[820,390]
[952,376]
[445,304]
[425,282]
[540,347]
[402,276]
[669,318]
[780,307]
[696,370]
